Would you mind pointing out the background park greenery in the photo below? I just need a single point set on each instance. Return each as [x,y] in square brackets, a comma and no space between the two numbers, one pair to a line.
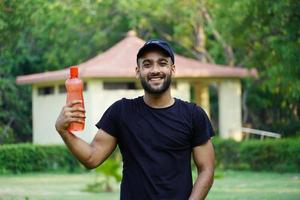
[38,36]
[35,172]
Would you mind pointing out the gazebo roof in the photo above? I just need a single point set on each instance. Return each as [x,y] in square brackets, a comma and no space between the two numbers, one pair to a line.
[119,61]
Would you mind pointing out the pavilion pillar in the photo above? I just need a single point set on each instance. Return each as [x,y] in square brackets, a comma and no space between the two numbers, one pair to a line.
[230,112]
[202,95]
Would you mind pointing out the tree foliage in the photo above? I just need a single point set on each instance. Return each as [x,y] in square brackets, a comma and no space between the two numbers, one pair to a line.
[39,36]
[266,35]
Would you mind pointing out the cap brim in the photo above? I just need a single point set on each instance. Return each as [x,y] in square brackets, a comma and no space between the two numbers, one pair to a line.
[148,47]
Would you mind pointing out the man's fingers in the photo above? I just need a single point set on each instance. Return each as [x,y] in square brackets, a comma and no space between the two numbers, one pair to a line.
[75,115]
[78,120]
[67,108]
[77,109]
[72,103]
[69,114]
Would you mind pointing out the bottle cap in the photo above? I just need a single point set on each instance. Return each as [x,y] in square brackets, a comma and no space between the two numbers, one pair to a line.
[74,72]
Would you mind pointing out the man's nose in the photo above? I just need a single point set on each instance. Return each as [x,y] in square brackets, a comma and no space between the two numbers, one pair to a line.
[155,68]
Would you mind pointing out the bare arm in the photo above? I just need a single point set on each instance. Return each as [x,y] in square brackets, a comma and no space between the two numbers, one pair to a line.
[204,159]
[90,155]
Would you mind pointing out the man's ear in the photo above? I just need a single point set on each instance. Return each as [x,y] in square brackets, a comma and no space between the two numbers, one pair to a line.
[173,69]
[137,72]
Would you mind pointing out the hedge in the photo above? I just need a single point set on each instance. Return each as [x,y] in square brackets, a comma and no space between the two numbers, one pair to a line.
[281,155]
[20,158]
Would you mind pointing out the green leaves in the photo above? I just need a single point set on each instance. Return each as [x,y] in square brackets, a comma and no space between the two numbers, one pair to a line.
[24,158]
[39,36]
[281,155]
[265,35]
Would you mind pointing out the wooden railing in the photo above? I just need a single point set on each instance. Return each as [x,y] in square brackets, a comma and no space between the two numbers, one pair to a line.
[262,133]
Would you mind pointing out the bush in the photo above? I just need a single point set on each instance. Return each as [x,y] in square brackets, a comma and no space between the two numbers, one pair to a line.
[19,158]
[108,174]
[281,155]
[272,155]
[227,153]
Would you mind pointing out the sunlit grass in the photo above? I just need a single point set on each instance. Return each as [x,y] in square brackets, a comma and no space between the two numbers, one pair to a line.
[228,185]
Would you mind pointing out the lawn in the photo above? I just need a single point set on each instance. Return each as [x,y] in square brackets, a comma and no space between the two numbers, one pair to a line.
[232,185]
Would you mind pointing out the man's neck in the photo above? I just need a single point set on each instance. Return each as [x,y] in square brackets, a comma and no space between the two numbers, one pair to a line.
[159,100]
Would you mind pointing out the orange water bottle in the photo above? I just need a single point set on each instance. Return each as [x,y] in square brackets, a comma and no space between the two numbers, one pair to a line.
[74,87]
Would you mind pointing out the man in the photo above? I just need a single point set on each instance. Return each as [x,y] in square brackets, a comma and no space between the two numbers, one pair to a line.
[156,134]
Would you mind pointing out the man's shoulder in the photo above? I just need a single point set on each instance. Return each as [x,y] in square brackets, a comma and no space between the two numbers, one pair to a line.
[126,102]
[191,107]
[186,104]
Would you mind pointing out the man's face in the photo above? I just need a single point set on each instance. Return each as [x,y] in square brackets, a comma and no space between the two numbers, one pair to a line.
[155,71]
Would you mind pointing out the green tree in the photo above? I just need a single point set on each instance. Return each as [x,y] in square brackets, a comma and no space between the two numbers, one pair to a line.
[265,35]
[38,36]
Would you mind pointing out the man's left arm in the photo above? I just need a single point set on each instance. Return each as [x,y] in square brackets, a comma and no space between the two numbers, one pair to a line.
[204,158]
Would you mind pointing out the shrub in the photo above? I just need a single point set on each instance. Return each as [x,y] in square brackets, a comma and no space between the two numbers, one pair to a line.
[227,153]
[272,155]
[281,155]
[19,158]
[108,174]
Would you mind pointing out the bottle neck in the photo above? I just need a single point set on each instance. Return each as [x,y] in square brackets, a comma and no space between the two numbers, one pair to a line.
[73,72]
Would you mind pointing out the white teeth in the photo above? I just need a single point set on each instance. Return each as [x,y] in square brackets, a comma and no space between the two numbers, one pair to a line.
[155,78]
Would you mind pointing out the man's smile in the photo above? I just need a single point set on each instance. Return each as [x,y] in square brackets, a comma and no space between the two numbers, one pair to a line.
[156,79]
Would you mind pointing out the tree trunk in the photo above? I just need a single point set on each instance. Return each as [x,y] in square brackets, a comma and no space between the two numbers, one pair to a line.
[199,44]
[226,47]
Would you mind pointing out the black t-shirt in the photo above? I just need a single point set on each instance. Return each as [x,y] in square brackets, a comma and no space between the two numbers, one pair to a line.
[156,146]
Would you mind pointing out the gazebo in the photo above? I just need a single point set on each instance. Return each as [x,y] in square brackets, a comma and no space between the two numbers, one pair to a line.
[111,76]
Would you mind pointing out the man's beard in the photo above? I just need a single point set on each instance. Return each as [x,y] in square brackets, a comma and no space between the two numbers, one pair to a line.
[157,90]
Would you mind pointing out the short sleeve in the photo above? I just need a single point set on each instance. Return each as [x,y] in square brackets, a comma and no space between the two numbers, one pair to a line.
[110,119]
[202,128]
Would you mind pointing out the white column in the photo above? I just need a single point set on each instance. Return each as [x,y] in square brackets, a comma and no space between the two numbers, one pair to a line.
[230,113]
[182,91]
[34,111]
[202,95]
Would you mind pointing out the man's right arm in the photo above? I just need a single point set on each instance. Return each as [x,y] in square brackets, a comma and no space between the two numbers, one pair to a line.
[90,155]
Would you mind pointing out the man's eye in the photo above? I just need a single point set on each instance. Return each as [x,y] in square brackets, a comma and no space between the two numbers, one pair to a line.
[163,64]
[146,65]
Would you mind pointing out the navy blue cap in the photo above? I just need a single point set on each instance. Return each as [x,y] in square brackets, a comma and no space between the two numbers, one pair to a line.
[161,44]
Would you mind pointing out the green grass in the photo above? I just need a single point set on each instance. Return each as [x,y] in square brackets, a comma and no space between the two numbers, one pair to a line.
[50,187]
[256,185]
[230,186]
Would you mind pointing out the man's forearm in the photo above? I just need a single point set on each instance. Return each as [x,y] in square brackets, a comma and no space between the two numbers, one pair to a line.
[79,148]
[202,185]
